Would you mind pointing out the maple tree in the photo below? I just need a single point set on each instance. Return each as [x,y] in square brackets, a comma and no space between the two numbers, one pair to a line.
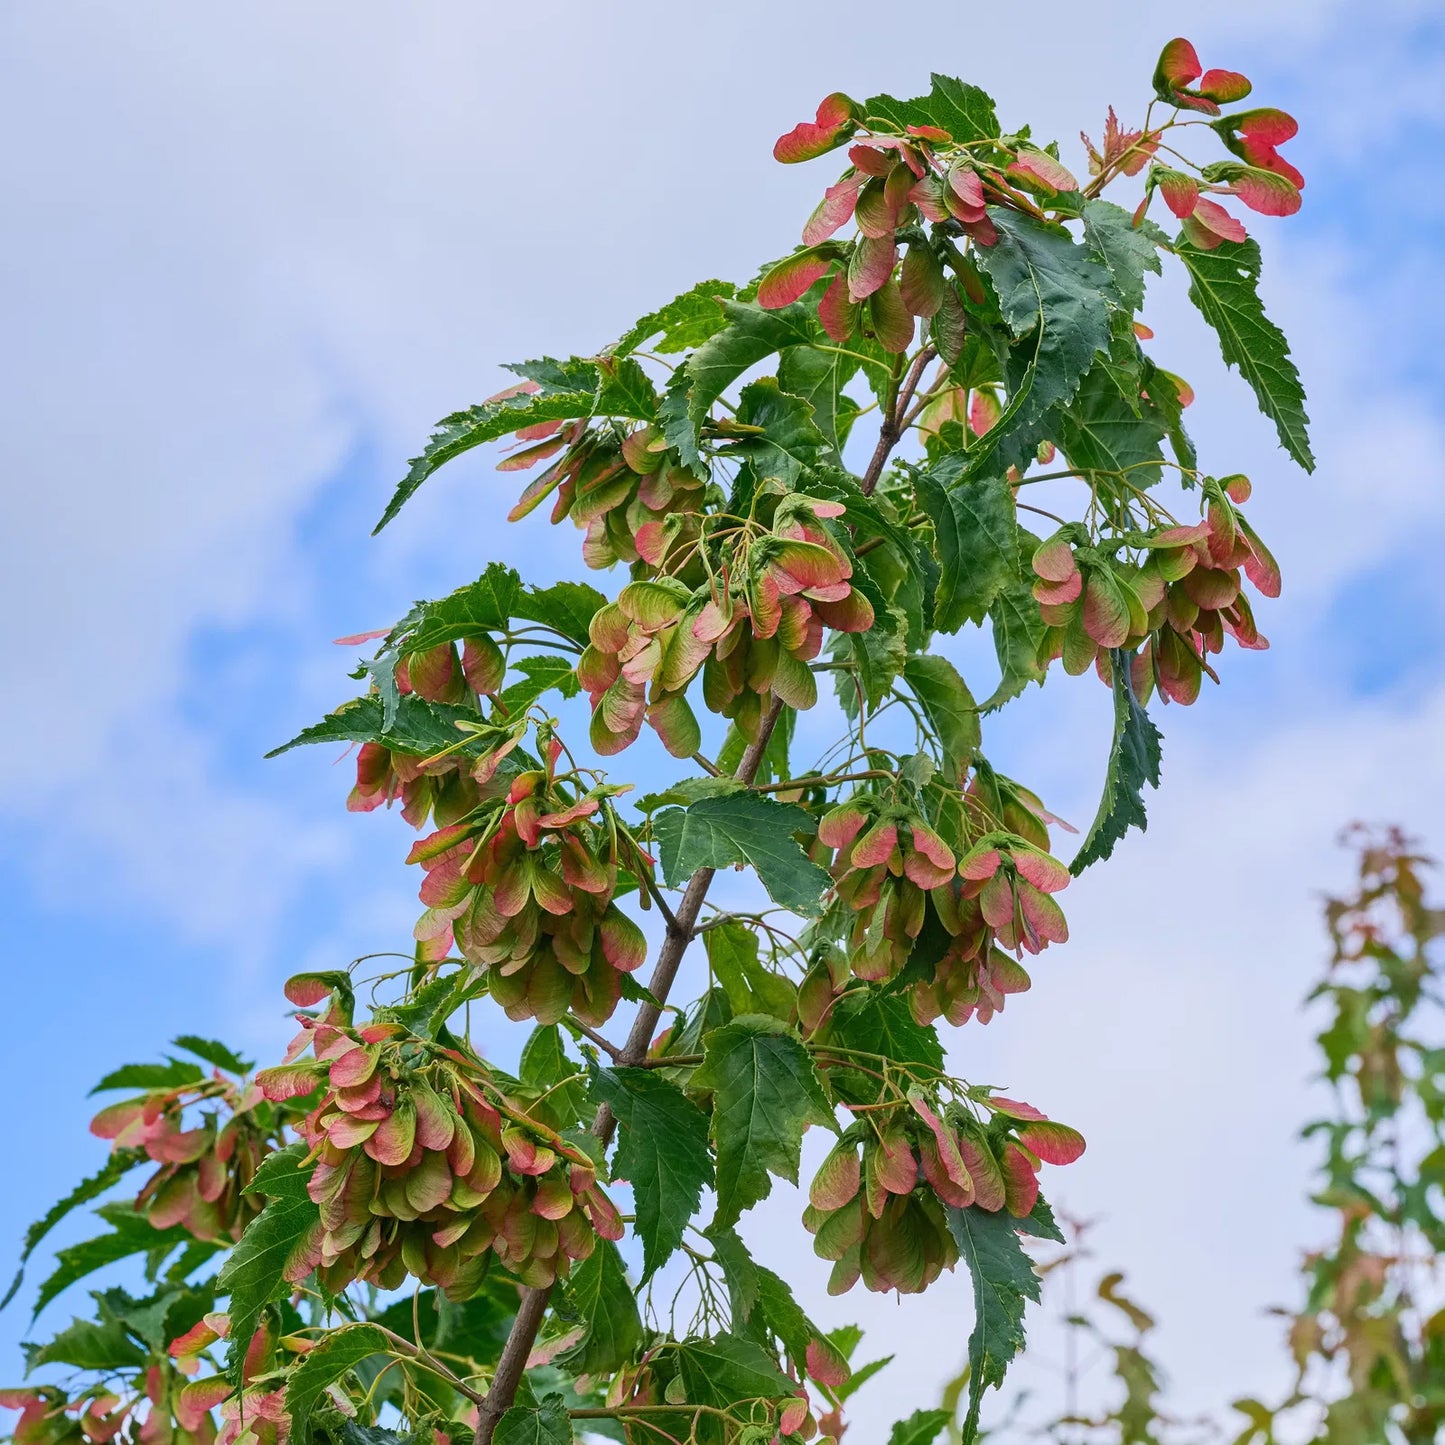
[384,1234]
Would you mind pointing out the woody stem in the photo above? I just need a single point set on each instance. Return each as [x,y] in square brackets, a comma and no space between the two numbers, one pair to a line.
[533,1308]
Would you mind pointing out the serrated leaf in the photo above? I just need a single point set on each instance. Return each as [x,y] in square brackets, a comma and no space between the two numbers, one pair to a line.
[685,322]
[765,1090]
[565,606]
[478,609]
[662,1149]
[131,1234]
[170,1075]
[743,828]
[254,1273]
[963,110]
[546,1424]
[545,1066]
[949,707]
[540,675]
[1110,426]
[1040,1223]
[922,1427]
[1003,1282]
[750,334]
[1224,285]
[1018,631]
[421,728]
[1126,249]
[88,1345]
[874,1023]
[1134,760]
[974,523]
[790,443]
[818,375]
[724,1369]
[283,1175]
[732,955]
[335,1353]
[213,1053]
[625,390]
[599,1294]
[463,430]
[115,1168]
[1054,299]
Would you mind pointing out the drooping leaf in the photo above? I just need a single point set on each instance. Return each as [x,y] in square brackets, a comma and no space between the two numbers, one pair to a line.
[131,1234]
[922,1427]
[88,1345]
[546,1067]
[540,675]
[480,608]
[1134,760]
[1055,300]
[949,707]
[1224,285]
[115,1168]
[283,1175]
[170,1075]
[974,522]
[566,607]
[1128,250]
[213,1053]
[724,1369]
[463,430]
[732,954]
[685,322]
[765,1090]
[599,1295]
[1018,631]
[818,375]
[254,1273]
[662,1149]
[1003,1282]
[544,1424]
[751,334]
[1109,426]
[421,728]
[743,828]
[335,1353]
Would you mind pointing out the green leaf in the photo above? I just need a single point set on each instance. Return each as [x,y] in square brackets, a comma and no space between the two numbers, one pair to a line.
[540,675]
[1126,249]
[88,1345]
[599,1294]
[1018,631]
[949,707]
[732,954]
[765,1090]
[791,442]
[662,1148]
[1003,1281]
[818,375]
[284,1174]
[131,1234]
[336,1352]
[476,610]
[1053,293]
[963,110]
[685,322]
[875,1023]
[743,828]
[170,1075]
[546,1424]
[421,728]
[115,1168]
[977,548]
[750,335]
[1224,285]
[1134,760]
[565,606]
[463,430]
[922,1427]
[725,1369]
[1040,1223]
[1112,428]
[161,1317]
[544,1066]
[213,1053]
[878,656]
[254,1273]
[625,390]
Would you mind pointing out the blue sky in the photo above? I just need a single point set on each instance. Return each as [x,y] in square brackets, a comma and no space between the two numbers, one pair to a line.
[253,256]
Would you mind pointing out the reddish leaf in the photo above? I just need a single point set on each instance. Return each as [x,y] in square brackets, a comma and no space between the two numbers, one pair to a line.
[791,277]
[1180,192]
[1210,224]
[833,211]
[832,125]
[891,319]
[837,312]
[1053,1143]
[870,266]
[1225,86]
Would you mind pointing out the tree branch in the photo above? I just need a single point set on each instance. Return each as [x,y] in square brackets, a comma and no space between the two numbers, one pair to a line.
[893,420]
[533,1308]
